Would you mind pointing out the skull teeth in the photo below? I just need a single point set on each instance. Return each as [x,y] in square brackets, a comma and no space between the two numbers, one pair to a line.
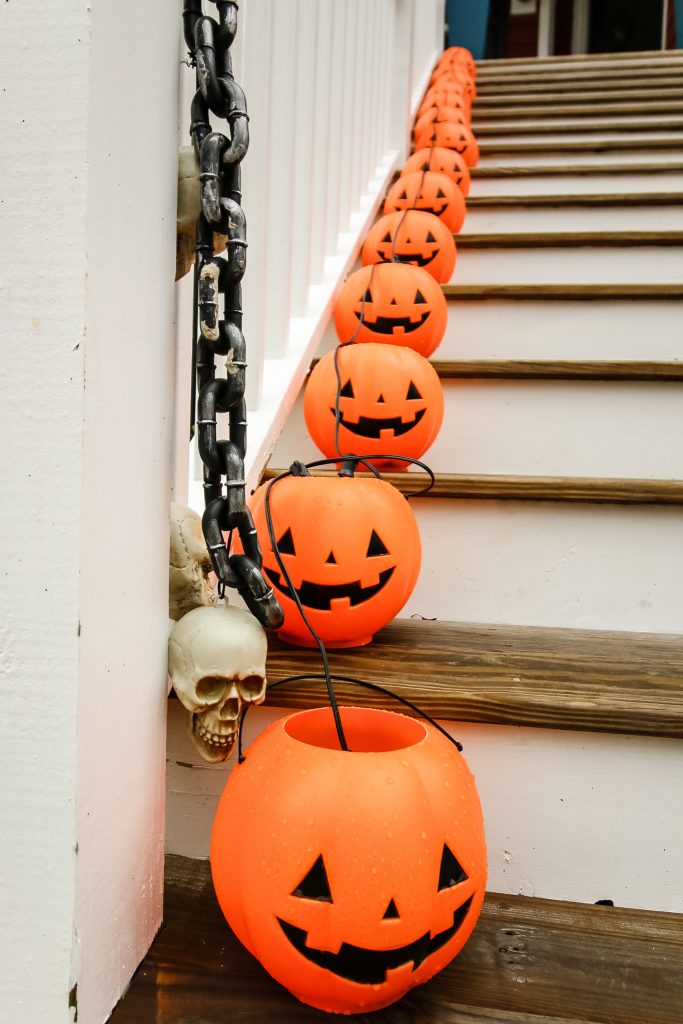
[214,739]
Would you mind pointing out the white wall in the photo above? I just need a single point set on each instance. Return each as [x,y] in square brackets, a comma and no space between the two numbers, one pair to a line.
[89,166]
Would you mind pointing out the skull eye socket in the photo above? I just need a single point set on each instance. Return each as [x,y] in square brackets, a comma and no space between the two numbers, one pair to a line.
[451,871]
[250,687]
[314,886]
[210,688]
[376,546]
[285,545]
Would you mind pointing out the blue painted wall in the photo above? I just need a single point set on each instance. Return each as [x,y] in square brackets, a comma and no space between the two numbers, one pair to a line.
[678,12]
[467,22]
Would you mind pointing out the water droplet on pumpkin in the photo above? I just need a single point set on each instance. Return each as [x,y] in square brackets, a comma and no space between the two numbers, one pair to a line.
[309,821]
[389,781]
[405,764]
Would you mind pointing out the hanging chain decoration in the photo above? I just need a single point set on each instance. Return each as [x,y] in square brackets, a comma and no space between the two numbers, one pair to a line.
[217,326]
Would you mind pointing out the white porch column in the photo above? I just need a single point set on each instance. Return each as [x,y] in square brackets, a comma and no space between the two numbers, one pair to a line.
[88,224]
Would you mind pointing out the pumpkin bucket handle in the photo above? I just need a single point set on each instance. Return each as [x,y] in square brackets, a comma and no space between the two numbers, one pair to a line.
[241,756]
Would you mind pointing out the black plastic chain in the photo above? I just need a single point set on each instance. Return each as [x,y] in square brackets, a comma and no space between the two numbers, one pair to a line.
[217,328]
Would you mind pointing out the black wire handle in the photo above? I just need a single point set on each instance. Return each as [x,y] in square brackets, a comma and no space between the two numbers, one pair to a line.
[241,756]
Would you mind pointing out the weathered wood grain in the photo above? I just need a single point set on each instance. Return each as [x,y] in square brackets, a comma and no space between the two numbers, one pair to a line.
[603,490]
[563,292]
[583,680]
[529,961]
[583,169]
[565,239]
[558,369]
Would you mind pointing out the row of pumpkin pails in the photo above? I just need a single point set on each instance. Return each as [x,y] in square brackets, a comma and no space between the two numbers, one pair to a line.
[351,544]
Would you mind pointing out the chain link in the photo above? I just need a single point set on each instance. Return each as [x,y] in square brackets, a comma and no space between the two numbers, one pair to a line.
[217,329]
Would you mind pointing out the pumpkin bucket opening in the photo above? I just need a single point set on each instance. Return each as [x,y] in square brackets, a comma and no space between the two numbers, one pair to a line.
[367,730]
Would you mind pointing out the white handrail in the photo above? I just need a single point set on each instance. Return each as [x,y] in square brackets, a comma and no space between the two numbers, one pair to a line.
[331,86]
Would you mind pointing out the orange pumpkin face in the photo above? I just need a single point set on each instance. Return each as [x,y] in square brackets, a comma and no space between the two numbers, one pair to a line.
[391,401]
[352,549]
[446,97]
[430,191]
[441,88]
[413,237]
[445,161]
[448,73]
[451,136]
[459,56]
[393,304]
[354,876]
[435,115]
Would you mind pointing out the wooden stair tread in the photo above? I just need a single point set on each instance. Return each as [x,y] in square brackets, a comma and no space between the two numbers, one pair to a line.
[579,199]
[584,680]
[577,127]
[553,292]
[544,170]
[556,369]
[620,97]
[603,490]
[563,238]
[529,961]
[580,145]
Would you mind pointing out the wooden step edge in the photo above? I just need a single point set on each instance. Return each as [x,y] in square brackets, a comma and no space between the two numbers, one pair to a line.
[590,100]
[540,677]
[555,369]
[562,240]
[561,200]
[570,170]
[618,57]
[558,369]
[601,490]
[573,82]
[579,146]
[563,292]
[511,111]
[520,966]
[521,128]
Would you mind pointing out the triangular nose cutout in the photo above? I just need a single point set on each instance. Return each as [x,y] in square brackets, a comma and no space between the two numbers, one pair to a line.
[381,399]
[331,560]
[391,913]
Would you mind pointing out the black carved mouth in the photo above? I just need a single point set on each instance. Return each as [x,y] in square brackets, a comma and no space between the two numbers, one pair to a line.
[388,324]
[369,966]
[434,210]
[369,427]
[416,260]
[319,595]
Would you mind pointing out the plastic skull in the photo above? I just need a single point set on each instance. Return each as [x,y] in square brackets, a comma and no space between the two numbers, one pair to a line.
[189,564]
[217,661]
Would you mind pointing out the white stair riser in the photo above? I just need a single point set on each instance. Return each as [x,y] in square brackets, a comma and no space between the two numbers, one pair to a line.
[587,121]
[567,219]
[563,330]
[572,816]
[577,184]
[582,265]
[547,138]
[650,154]
[572,564]
[545,428]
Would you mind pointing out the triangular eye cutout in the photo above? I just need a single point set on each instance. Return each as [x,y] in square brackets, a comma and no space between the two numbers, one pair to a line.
[285,545]
[376,546]
[315,885]
[391,913]
[367,297]
[451,872]
[347,391]
[430,237]
[419,297]
[408,241]
[387,237]
[413,392]
[440,194]
[403,195]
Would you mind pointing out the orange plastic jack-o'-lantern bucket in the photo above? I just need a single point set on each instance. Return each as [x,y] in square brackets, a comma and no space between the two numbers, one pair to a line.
[445,161]
[450,136]
[391,401]
[393,304]
[430,191]
[414,237]
[352,876]
[351,547]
